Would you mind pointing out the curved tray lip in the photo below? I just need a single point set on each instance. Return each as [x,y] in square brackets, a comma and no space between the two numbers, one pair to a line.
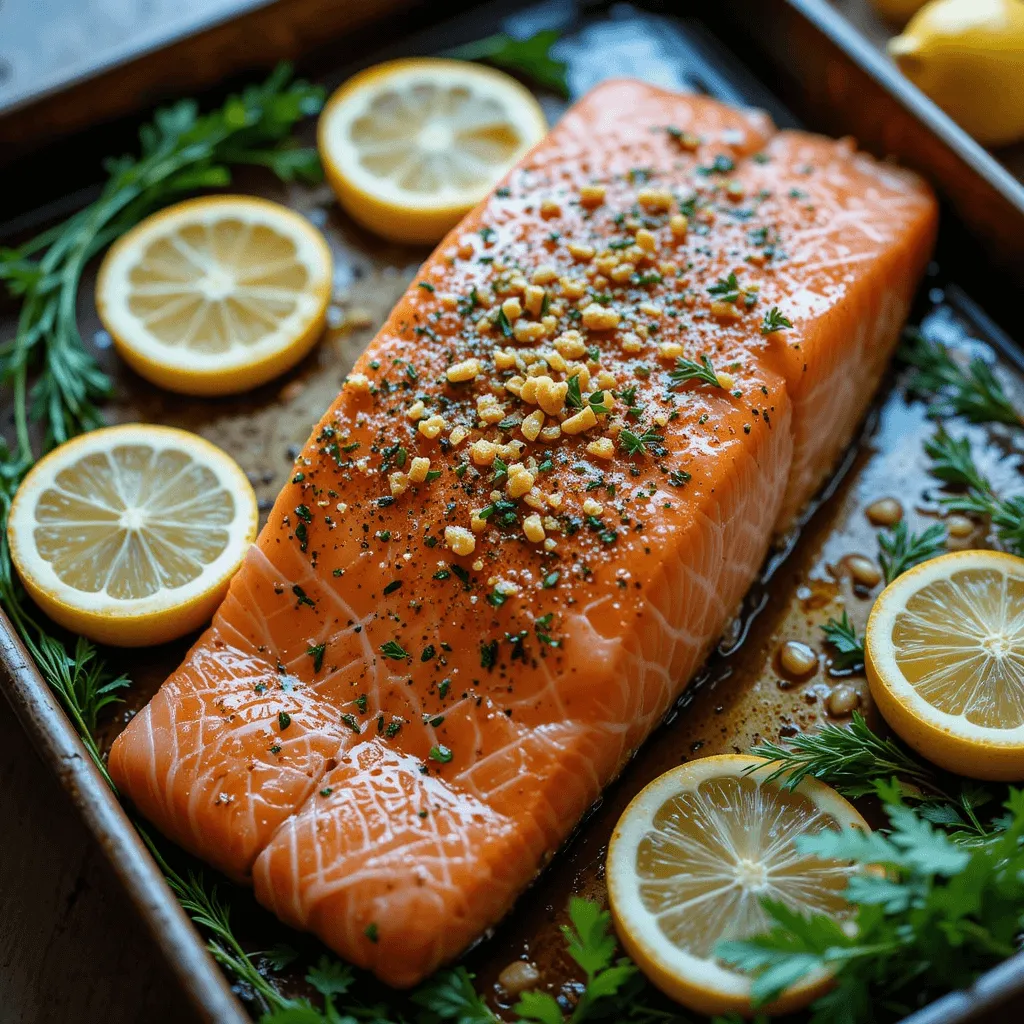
[833,24]
[54,737]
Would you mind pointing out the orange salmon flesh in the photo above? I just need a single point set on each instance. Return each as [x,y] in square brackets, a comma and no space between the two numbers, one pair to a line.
[513,539]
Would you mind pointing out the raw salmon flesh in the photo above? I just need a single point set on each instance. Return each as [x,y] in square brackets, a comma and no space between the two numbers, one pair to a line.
[514,537]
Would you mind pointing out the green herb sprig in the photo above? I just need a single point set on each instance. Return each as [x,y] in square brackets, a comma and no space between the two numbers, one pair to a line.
[849,647]
[688,369]
[941,913]
[953,462]
[614,988]
[530,57]
[181,151]
[900,550]
[954,387]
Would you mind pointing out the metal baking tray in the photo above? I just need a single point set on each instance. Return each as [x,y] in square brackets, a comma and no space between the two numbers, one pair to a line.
[803,63]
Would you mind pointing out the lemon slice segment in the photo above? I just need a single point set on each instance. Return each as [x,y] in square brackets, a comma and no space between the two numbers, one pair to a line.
[411,145]
[690,860]
[216,295]
[944,655]
[130,535]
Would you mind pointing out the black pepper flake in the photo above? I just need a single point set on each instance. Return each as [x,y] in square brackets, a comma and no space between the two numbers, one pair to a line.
[392,587]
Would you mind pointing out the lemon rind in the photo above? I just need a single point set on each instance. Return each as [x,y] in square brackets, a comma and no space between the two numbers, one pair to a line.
[951,741]
[112,619]
[182,368]
[702,985]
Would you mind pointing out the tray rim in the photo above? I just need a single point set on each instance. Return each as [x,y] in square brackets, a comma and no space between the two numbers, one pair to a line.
[54,737]
[180,941]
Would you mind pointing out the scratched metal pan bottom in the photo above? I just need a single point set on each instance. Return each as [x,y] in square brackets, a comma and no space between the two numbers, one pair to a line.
[740,696]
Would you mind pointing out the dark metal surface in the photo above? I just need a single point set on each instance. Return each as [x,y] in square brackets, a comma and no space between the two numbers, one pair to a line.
[60,747]
[789,56]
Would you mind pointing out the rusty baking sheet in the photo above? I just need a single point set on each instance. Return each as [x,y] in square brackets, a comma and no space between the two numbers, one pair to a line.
[740,696]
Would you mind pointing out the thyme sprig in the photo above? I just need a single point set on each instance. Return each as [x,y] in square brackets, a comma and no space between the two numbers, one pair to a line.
[952,386]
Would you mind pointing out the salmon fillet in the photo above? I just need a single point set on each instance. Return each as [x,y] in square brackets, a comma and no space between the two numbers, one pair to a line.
[425,672]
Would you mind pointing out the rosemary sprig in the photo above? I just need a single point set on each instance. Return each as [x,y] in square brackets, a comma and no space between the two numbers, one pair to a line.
[688,369]
[899,549]
[181,151]
[952,387]
[953,462]
[851,759]
[855,760]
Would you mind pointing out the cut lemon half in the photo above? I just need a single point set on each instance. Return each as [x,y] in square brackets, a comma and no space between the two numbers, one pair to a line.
[216,295]
[692,857]
[130,535]
[411,145]
[944,654]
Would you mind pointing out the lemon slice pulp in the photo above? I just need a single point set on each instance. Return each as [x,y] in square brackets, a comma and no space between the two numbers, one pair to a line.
[130,535]
[692,857]
[944,655]
[216,295]
[411,145]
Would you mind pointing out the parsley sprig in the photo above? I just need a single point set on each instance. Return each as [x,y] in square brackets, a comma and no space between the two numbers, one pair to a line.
[952,386]
[849,647]
[940,913]
[613,988]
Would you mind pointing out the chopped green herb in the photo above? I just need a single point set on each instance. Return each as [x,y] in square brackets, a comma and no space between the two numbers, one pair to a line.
[440,753]
[393,650]
[316,652]
[638,444]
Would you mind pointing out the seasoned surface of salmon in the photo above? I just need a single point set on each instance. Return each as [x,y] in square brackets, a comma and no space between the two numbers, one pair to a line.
[426,671]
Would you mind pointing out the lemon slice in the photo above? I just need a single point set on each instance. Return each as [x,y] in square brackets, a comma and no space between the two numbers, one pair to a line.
[130,535]
[216,295]
[690,860]
[411,145]
[944,654]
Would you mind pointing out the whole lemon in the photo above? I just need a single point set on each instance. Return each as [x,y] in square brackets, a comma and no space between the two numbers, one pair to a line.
[968,56]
